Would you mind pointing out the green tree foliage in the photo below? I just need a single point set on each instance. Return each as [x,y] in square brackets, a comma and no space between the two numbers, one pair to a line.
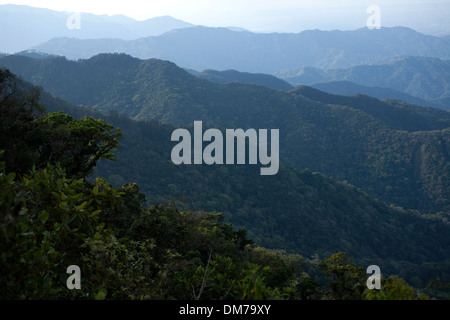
[49,221]
[45,219]
[346,280]
[78,144]
[394,288]
[30,139]
[19,132]
[308,289]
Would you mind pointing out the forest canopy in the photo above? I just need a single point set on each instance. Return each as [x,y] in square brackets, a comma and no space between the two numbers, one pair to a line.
[52,215]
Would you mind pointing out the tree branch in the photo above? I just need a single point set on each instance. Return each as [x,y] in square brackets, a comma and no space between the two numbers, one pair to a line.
[204,278]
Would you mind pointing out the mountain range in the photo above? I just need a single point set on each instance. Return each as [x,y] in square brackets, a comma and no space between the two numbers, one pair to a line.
[393,151]
[33,26]
[412,64]
[296,210]
[228,76]
[363,119]
[423,78]
[201,48]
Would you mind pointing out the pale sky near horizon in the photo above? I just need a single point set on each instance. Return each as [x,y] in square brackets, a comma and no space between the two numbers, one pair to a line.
[265,15]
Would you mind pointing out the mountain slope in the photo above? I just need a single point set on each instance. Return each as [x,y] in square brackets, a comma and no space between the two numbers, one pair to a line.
[348,88]
[228,76]
[396,152]
[396,114]
[294,210]
[201,48]
[422,77]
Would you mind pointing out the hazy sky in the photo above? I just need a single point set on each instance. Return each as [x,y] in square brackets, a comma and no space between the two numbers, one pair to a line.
[265,15]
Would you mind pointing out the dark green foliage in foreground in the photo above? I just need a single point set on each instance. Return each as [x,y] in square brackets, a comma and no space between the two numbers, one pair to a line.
[125,250]
[50,221]
[346,280]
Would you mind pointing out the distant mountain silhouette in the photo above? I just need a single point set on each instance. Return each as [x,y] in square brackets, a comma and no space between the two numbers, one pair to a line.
[201,48]
[33,26]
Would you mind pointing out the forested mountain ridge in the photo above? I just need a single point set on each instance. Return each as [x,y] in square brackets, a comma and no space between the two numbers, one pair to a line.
[393,151]
[348,88]
[228,76]
[423,77]
[297,211]
[394,113]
